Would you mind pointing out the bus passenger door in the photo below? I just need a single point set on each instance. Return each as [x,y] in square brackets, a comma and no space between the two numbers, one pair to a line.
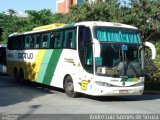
[85,49]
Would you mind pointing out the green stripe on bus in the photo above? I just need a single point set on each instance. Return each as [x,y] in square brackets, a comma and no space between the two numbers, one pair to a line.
[52,66]
[44,65]
[129,79]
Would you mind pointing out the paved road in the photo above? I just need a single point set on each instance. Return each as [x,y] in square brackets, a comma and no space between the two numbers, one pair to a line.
[36,99]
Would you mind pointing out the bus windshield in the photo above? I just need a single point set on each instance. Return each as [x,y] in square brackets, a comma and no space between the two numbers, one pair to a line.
[104,34]
[121,53]
[120,60]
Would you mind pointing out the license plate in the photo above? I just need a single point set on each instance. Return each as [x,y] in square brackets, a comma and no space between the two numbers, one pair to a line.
[123,91]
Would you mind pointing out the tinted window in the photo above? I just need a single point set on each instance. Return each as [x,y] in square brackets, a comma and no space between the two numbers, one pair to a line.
[45,40]
[27,42]
[38,41]
[70,38]
[57,39]
[16,43]
[32,42]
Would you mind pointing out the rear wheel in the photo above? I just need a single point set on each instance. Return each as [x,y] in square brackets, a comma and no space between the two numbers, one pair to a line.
[69,87]
[16,75]
[21,76]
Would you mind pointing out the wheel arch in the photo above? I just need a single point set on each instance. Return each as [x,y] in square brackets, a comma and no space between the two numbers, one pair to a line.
[21,70]
[68,86]
[67,75]
[15,69]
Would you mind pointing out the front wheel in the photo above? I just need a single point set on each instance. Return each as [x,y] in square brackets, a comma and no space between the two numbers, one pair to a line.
[69,88]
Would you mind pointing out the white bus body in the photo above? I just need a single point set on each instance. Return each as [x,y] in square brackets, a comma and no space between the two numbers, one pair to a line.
[81,58]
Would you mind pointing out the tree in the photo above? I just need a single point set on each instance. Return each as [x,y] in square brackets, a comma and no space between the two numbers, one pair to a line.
[38,18]
[10,23]
[145,15]
[7,24]
[11,12]
[99,11]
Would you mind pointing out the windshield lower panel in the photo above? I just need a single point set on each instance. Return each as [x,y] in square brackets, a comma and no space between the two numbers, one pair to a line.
[120,60]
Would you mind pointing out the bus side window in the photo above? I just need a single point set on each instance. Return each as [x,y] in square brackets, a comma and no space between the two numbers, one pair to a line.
[67,36]
[45,40]
[27,42]
[22,42]
[52,41]
[32,42]
[58,39]
[16,43]
[38,41]
[70,39]
[10,43]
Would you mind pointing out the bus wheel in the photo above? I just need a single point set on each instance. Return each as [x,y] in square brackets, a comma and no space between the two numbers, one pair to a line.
[16,75]
[21,76]
[69,87]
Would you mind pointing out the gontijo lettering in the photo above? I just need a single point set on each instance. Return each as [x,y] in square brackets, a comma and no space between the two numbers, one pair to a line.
[25,55]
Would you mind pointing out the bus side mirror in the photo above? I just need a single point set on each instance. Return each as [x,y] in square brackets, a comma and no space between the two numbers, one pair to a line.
[98,61]
[152,47]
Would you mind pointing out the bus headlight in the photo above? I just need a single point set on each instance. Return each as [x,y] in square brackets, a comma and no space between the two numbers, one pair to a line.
[103,84]
[139,84]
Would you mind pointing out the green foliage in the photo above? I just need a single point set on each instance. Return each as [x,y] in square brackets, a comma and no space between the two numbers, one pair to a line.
[8,23]
[100,11]
[156,73]
[150,66]
[145,15]
[152,86]
[38,18]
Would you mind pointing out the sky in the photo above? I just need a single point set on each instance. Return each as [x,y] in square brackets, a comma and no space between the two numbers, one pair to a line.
[22,5]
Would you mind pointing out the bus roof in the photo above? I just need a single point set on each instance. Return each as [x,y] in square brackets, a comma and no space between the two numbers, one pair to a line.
[49,27]
[41,29]
[106,24]
[85,23]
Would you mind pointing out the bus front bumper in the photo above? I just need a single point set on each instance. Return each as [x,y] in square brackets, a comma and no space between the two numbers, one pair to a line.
[117,91]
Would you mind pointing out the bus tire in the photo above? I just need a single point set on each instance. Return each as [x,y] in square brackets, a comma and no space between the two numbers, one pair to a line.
[69,88]
[21,76]
[16,75]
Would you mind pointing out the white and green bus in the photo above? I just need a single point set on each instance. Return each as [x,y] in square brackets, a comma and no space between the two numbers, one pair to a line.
[92,57]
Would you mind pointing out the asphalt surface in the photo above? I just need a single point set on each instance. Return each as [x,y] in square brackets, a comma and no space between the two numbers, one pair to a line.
[29,99]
